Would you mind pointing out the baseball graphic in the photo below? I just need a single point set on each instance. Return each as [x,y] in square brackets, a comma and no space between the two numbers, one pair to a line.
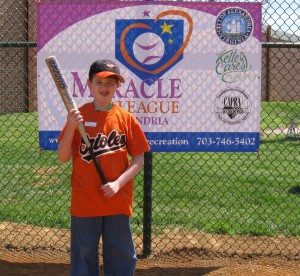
[148,48]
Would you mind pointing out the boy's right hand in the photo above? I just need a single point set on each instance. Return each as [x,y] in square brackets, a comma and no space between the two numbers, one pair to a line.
[74,118]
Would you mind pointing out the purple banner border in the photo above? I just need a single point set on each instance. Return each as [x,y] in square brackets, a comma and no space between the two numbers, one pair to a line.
[54,18]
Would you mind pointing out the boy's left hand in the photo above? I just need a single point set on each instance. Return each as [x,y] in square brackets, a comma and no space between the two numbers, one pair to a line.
[110,189]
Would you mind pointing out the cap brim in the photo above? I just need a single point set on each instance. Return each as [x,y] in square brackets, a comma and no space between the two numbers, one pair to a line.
[105,74]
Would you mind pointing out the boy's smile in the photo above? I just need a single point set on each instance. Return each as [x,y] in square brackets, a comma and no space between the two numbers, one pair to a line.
[103,90]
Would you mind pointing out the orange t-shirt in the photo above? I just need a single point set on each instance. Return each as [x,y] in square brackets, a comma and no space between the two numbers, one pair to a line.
[113,135]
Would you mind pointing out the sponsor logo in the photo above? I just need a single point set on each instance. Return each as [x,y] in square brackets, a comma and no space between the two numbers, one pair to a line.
[233,65]
[151,47]
[234,26]
[232,106]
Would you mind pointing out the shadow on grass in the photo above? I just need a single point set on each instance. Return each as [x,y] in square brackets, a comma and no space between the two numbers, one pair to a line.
[295,190]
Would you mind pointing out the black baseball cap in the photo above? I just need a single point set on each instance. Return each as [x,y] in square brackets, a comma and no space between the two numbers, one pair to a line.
[104,68]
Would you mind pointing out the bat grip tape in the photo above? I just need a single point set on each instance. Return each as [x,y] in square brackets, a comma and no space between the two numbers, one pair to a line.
[99,170]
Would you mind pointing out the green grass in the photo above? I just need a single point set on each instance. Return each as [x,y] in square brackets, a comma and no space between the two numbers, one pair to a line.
[233,193]
[278,115]
[228,193]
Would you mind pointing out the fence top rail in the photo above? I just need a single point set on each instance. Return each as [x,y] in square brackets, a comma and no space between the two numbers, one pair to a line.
[19,44]
[281,45]
[5,44]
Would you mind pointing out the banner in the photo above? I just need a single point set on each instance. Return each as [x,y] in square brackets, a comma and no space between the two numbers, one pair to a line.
[192,70]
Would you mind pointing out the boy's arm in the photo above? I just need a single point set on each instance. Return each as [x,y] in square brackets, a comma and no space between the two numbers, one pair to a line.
[65,150]
[111,188]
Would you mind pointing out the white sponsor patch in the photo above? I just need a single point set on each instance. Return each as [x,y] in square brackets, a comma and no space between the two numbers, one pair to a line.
[90,124]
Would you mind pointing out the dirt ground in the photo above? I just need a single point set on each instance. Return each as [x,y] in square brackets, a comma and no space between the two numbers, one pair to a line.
[26,250]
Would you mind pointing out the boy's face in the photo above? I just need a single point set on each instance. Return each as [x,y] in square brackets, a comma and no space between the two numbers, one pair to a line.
[103,89]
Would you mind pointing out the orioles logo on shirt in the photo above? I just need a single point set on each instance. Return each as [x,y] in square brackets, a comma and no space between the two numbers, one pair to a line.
[102,144]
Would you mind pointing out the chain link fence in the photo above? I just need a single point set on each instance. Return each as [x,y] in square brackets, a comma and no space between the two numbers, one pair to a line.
[223,203]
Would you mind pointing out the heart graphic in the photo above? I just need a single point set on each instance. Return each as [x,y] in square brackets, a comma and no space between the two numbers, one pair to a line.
[173,59]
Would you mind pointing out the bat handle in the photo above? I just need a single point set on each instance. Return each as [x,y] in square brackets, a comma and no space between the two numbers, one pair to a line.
[102,176]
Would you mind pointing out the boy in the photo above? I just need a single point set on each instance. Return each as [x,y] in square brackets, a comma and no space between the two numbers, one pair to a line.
[102,210]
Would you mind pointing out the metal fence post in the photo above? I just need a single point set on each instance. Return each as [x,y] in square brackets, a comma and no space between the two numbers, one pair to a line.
[147,210]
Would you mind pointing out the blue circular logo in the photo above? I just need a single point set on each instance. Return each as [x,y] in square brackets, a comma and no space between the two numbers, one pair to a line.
[234,26]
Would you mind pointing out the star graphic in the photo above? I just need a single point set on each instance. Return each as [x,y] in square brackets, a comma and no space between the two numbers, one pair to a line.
[146,13]
[166,28]
[171,41]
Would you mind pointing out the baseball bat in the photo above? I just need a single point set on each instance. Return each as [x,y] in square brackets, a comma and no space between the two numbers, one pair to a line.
[69,103]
